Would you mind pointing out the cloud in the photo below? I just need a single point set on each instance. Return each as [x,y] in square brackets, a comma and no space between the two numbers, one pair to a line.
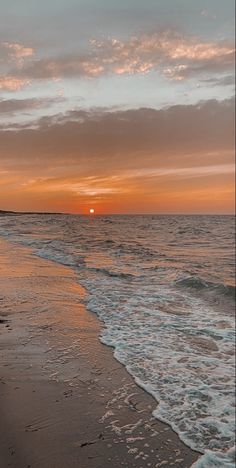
[123,182]
[170,53]
[11,106]
[18,52]
[12,83]
[207,14]
[228,80]
[13,54]
[102,141]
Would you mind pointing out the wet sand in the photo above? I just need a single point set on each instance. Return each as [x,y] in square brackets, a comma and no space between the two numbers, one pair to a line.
[64,400]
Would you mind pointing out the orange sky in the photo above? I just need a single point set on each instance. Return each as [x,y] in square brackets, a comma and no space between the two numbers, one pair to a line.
[176,160]
[128,116]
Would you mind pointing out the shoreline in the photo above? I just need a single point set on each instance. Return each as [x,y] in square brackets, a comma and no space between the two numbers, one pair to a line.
[66,402]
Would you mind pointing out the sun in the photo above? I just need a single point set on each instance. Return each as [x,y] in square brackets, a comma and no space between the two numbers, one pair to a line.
[91,211]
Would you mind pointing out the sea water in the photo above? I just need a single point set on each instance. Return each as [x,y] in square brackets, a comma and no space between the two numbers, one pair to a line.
[164,288]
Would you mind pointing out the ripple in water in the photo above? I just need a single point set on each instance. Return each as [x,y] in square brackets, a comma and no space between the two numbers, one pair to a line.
[163,286]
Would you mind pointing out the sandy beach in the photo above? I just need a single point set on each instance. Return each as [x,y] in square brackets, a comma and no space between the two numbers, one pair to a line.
[65,401]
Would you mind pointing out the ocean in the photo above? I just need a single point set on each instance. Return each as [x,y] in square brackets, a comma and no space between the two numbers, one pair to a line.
[164,288]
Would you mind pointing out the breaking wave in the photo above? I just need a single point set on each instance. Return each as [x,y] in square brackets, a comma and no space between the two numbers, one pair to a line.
[198,283]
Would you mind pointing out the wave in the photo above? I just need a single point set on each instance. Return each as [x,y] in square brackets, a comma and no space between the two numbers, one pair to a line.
[176,344]
[198,283]
[113,274]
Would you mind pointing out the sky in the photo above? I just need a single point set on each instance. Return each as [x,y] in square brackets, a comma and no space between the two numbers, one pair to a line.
[122,106]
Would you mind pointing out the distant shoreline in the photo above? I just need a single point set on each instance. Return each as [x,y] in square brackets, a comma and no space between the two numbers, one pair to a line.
[5,213]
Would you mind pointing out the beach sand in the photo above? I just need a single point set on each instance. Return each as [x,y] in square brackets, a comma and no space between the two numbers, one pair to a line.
[64,400]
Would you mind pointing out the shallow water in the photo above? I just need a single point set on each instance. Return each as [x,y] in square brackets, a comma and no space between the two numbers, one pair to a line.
[164,288]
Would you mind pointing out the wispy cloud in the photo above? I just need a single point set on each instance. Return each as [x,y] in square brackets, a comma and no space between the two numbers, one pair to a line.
[207,14]
[227,80]
[11,106]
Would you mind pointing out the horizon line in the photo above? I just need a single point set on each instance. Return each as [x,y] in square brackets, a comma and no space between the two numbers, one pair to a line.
[113,214]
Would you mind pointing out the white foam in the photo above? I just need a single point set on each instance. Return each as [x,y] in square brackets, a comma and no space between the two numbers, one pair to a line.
[184,360]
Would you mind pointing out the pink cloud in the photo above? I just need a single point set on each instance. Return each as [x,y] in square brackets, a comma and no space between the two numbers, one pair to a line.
[171,54]
[18,50]
[11,83]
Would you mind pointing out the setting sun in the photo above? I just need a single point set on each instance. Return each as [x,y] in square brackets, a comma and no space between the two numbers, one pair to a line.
[91,211]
